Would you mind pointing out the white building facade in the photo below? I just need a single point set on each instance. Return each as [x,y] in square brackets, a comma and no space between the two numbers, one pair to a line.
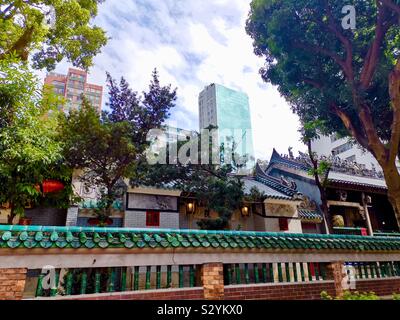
[345,150]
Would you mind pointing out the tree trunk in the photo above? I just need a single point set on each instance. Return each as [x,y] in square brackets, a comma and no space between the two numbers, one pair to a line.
[392,178]
[12,214]
[322,190]
[325,211]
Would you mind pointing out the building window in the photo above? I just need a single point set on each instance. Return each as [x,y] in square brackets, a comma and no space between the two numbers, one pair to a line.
[342,148]
[152,219]
[283,224]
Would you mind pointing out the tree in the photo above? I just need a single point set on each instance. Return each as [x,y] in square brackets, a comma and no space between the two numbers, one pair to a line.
[143,113]
[215,186]
[350,78]
[102,151]
[110,147]
[320,168]
[53,29]
[29,149]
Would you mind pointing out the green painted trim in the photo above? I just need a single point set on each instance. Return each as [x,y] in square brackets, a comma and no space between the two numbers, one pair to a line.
[295,272]
[280,275]
[246,273]
[39,286]
[158,277]
[271,273]
[303,278]
[256,274]
[229,274]
[69,283]
[83,282]
[97,281]
[264,272]
[237,273]
[136,278]
[111,280]
[287,272]
[148,277]
[192,276]
[181,271]
[123,279]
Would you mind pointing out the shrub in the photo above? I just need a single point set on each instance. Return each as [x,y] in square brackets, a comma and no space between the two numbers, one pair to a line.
[348,295]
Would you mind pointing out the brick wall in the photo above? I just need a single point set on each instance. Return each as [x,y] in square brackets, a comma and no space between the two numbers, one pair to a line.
[212,277]
[12,283]
[382,287]
[284,291]
[161,294]
[137,219]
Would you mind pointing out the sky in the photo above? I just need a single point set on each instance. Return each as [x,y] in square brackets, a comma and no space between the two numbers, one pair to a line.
[193,43]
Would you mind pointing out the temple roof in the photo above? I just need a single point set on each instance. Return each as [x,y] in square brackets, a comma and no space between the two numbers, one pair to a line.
[274,183]
[29,237]
[250,182]
[342,171]
[310,215]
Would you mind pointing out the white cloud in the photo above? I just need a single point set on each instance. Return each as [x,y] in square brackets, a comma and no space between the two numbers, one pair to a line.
[193,43]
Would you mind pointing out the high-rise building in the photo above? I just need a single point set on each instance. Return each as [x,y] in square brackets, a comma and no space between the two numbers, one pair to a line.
[229,111]
[72,86]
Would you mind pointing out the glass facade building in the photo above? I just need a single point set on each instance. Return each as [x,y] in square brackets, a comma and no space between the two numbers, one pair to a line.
[229,111]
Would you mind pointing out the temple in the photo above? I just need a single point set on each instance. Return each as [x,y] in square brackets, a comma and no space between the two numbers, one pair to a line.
[355,193]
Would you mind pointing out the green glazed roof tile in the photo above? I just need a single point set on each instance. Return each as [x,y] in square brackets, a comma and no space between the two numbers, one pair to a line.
[15,237]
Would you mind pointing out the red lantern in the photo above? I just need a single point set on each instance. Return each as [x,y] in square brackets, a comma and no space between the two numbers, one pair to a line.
[50,186]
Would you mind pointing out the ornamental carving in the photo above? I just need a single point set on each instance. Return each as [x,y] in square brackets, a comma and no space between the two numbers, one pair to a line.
[338,165]
[308,204]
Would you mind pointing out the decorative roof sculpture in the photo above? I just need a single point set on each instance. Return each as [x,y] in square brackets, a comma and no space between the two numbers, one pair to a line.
[337,165]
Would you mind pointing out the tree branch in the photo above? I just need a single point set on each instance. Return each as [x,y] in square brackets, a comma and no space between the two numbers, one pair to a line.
[315,165]
[344,40]
[315,49]
[354,130]
[394,91]
[391,5]
[373,54]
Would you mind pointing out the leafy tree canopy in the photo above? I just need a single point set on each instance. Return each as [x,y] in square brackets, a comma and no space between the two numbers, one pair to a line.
[320,67]
[347,77]
[52,30]
[215,186]
[110,147]
[29,149]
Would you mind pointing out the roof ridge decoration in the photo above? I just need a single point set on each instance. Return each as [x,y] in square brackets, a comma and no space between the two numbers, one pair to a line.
[276,184]
[303,162]
[29,237]
[309,211]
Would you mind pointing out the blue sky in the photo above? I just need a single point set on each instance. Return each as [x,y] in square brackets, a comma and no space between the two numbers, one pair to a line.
[193,43]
